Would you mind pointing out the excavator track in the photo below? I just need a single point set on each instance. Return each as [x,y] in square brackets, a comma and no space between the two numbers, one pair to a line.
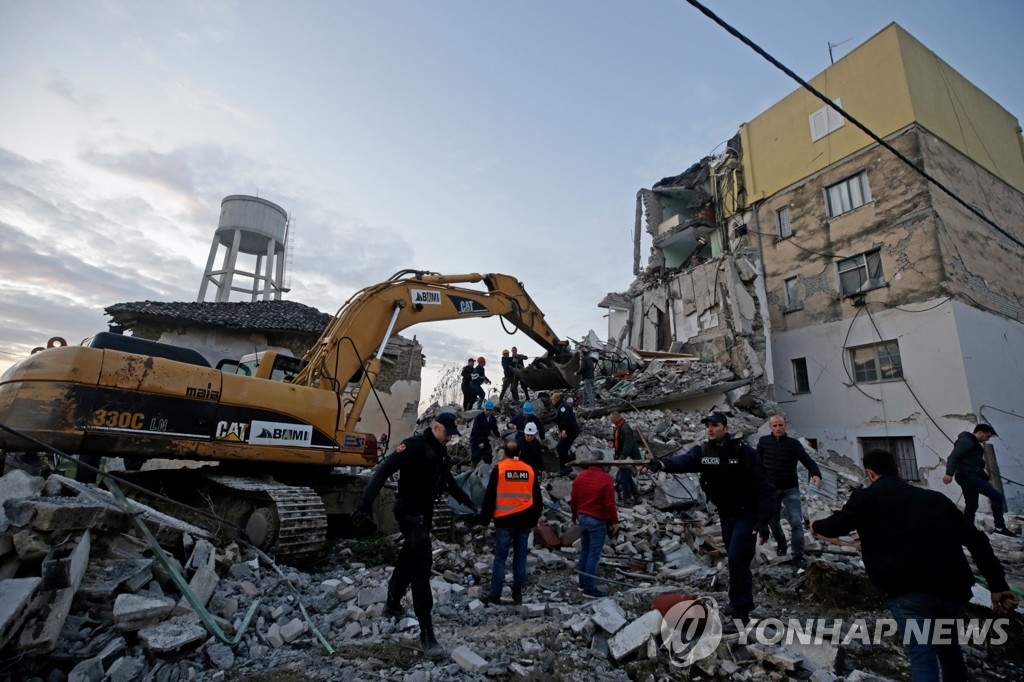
[292,523]
[286,521]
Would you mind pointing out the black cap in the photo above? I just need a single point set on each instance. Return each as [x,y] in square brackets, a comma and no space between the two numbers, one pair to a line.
[715,418]
[986,427]
[447,419]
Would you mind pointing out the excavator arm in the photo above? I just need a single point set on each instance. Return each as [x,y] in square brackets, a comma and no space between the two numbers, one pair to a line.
[351,347]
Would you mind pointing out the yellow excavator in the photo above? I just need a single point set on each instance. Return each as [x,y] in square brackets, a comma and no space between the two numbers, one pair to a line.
[116,396]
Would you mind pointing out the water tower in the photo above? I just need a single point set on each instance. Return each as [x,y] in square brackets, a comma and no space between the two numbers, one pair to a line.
[249,226]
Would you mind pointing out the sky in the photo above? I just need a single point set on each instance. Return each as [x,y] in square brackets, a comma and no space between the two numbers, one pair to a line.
[454,136]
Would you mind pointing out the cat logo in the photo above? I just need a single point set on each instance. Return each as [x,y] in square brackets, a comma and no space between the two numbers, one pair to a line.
[710,461]
[426,297]
[232,431]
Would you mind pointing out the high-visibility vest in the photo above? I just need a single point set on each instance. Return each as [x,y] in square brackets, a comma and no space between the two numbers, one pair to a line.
[515,487]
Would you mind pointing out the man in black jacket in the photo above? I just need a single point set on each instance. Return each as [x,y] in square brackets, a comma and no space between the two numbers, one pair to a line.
[780,454]
[912,543]
[467,385]
[967,464]
[568,431]
[422,462]
[734,479]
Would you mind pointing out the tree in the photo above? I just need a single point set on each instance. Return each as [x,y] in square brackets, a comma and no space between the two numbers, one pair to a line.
[448,389]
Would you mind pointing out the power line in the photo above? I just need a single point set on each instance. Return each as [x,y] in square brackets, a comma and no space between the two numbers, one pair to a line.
[807,86]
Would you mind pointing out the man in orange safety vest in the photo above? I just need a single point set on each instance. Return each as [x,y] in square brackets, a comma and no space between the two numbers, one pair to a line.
[513,500]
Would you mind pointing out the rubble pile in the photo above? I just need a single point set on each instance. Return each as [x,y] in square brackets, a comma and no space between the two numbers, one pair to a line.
[85,596]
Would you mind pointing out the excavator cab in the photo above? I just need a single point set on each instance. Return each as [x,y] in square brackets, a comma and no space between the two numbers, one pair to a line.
[267,364]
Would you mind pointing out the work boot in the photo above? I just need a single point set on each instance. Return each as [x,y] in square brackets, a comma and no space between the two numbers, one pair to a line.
[431,649]
[517,595]
[1005,531]
[393,608]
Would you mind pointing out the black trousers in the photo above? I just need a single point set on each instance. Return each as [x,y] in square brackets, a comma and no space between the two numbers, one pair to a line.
[413,567]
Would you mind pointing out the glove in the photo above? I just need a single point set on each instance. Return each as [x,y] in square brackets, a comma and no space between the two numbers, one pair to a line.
[654,465]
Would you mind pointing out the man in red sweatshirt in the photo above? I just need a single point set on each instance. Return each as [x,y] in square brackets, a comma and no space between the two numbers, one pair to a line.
[592,503]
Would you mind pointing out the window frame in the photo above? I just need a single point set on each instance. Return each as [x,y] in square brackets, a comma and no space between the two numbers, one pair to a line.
[791,294]
[828,121]
[799,366]
[878,373]
[906,457]
[784,227]
[844,192]
[870,263]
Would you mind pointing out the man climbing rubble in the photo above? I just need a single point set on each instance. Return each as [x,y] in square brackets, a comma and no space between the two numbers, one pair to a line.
[735,480]
[568,431]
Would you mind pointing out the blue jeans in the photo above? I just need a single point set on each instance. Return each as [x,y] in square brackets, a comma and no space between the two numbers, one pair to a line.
[926,659]
[588,392]
[738,533]
[972,486]
[625,483]
[516,539]
[592,533]
[789,502]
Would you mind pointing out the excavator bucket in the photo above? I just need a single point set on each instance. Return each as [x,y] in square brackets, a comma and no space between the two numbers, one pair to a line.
[549,374]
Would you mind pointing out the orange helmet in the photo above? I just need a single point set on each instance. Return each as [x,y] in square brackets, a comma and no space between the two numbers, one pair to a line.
[481,360]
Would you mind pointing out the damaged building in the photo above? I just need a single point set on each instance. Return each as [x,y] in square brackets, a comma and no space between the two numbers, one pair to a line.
[873,306]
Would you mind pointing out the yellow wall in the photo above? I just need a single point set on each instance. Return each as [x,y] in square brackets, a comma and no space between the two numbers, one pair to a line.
[887,83]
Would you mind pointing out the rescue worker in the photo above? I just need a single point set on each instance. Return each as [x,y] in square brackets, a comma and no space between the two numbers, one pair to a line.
[508,379]
[518,363]
[568,431]
[513,500]
[586,372]
[484,426]
[526,416]
[422,461]
[592,504]
[467,385]
[479,379]
[626,447]
[531,448]
[736,482]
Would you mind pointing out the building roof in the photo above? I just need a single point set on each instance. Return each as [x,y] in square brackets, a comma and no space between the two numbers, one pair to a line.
[263,315]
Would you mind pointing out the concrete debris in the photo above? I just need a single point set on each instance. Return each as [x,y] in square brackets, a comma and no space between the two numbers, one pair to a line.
[83,598]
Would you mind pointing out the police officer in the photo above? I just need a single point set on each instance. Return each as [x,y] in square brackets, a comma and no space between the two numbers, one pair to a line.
[422,461]
[735,480]
[513,500]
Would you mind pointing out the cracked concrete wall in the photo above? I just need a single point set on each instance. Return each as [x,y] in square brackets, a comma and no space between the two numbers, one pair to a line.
[899,221]
[931,248]
[714,313]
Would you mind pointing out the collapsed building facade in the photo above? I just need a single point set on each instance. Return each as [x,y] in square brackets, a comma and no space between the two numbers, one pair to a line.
[874,307]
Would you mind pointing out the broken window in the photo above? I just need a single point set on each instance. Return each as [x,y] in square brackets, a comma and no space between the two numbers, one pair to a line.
[782,219]
[860,273]
[801,384]
[847,195]
[876,362]
[902,448]
[825,120]
[792,292]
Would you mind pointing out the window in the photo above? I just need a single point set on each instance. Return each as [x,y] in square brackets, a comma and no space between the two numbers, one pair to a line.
[792,293]
[902,448]
[877,362]
[847,195]
[800,381]
[825,120]
[860,273]
[782,219]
